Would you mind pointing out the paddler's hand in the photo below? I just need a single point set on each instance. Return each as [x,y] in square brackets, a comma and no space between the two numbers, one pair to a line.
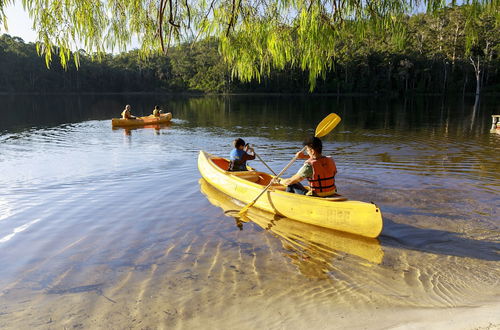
[300,155]
[283,182]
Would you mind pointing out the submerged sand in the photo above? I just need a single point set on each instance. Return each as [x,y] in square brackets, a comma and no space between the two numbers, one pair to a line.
[254,278]
[187,302]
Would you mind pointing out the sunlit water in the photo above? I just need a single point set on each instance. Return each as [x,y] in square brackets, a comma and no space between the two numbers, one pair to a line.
[114,228]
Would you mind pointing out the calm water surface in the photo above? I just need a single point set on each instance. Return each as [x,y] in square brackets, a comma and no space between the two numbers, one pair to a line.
[114,228]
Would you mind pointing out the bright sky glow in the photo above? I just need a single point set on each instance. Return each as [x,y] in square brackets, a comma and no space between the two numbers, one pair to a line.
[19,23]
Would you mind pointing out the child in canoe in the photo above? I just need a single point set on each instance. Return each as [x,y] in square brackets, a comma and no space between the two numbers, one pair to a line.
[319,170]
[239,156]
[126,113]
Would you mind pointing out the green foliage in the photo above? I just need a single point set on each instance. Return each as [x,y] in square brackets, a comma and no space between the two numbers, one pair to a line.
[256,36]
[191,69]
[433,57]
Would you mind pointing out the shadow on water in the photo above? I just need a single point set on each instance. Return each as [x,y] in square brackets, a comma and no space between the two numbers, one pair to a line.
[436,241]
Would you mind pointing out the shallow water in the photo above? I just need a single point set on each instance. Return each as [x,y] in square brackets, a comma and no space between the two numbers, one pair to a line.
[114,228]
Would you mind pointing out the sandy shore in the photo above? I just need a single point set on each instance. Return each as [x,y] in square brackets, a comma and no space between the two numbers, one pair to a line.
[84,311]
[462,318]
[481,317]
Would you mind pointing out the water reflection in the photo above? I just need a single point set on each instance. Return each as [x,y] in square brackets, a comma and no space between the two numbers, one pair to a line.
[276,116]
[312,249]
[155,128]
[35,111]
[284,117]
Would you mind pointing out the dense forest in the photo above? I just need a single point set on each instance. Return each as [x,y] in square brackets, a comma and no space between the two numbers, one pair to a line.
[433,58]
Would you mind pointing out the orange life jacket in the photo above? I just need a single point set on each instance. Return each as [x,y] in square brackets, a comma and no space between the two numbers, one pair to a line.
[323,180]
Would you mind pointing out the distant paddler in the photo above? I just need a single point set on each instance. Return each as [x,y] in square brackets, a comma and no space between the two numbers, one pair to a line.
[126,113]
[157,111]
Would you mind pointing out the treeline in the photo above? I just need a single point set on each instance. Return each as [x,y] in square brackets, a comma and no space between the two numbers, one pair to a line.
[435,57]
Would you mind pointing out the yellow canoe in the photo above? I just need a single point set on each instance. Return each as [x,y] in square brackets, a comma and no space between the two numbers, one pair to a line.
[317,242]
[142,121]
[353,217]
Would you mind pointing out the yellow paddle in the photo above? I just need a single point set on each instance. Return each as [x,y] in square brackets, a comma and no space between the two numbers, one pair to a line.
[323,128]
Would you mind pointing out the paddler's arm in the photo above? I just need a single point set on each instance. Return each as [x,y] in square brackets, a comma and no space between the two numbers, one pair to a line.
[294,179]
[304,172]
[247,156]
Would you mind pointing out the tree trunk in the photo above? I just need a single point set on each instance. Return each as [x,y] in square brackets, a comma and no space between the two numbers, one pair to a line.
[454,56]
[345,81]
[478,83]
[465,84]
[477,71]
[445,77]
[389,76]
[474,111]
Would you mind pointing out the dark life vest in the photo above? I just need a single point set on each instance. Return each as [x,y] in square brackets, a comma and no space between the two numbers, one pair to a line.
[238,160]
[237,165]
[323,178]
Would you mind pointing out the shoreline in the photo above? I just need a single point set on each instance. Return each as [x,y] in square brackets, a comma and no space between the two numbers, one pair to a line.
[201,94]
[115,313]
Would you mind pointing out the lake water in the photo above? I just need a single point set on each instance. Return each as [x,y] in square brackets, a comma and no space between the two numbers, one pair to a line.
[103,228]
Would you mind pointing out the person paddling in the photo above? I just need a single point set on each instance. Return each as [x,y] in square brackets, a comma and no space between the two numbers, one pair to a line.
[319,170]
[157,111]
[239,156]
[126,113]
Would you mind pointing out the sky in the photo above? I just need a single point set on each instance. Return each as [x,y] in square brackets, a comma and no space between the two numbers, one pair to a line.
[19,23]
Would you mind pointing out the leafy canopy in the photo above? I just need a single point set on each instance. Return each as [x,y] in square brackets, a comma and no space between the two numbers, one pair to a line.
[254,35]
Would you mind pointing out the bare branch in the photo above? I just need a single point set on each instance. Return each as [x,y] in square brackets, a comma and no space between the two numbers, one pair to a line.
[161,11]
[171,16]
[231,21]
[189,14]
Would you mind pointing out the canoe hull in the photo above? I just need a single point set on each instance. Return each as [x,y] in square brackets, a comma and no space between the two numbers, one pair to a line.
[354,217]
[142,121]
[297,234]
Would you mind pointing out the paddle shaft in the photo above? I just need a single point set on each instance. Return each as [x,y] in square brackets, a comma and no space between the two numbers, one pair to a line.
[249,205]
[323,128]
[263,162]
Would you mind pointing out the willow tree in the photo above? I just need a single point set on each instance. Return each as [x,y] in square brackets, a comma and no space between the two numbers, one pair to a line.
[254,35]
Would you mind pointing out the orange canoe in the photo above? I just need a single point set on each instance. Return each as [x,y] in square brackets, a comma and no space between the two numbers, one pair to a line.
[142,121]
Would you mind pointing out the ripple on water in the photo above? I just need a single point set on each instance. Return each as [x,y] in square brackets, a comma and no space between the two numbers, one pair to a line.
[97,224]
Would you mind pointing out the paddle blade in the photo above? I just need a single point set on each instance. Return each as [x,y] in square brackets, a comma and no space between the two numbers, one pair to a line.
[327,124]
[245,209]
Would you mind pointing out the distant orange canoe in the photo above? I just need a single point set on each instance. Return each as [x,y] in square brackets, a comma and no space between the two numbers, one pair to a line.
[142,121]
